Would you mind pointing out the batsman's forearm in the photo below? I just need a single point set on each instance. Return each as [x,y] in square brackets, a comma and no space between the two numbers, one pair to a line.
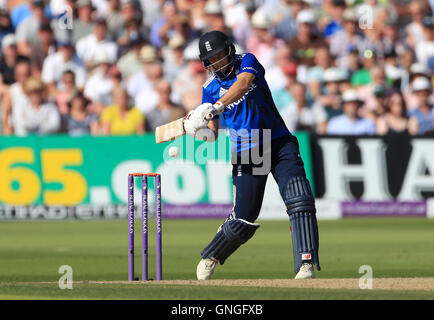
[235,92]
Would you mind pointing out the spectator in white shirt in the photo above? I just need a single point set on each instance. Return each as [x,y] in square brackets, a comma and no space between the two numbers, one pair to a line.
[349,123]
[99,86]
[88,46]
[35,116]
[57,63]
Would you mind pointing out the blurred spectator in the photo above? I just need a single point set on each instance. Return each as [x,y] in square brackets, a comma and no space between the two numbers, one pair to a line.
[367,91]
[130,62]
[163,25]
[35,115]
[393,71]
[336,12]
[391,38]
[99,86]
[417,70]
[239,20]
[330,97]
[173,56]
[286,28]
[121,118]
[395,120]
[78,120]
[166,111]
[348,39]
[40,49]
[5,24]
[262,42]
[66,92]
[275,75]
[282,97]
[423,112]
[15,94]
[414,30]
[425,48]
[8,59]
[115,21]
[315,74]
[363,75]
[58,62]
[83,24]
[303,114]
[27,31]
[350,123]
[305,44]
[215,19]
[96,42]
[192,95]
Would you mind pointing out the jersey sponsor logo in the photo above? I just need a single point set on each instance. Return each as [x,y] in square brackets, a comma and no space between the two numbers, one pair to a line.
[208,46]
[250,68]
[222,92]
[233,104]
[306,256]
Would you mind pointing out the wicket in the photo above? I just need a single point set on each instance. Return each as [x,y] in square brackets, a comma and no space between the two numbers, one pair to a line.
[158,227]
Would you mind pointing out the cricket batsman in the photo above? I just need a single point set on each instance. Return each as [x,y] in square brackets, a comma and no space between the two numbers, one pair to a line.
[237,91]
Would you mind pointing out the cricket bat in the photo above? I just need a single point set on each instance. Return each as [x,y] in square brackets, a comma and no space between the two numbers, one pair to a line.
[175,129]
[170,131]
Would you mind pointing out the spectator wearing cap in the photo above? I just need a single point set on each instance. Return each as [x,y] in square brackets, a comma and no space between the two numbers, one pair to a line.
[215,18]
[66,92]
[330,97]
[304,114]
[5,24]
[83,24]
[96,42]
[315,74]
[79,121]
[350,123]
[8,59]
[14,94]
[275,75]
[305,44]
[166,111]
[130,62]
[262,42]
[173,56]
[417,70]
[27,31]
[98,86]
[423,112]
[425,49]
[35,115]
[141,80]
[282,97]
[395,120]
[58,62]
[122,118]
[348,39]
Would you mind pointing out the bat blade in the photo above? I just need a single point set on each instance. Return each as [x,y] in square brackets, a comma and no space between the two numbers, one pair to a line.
[170,131]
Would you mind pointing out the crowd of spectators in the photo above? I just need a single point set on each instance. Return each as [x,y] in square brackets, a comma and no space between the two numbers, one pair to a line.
[116,67]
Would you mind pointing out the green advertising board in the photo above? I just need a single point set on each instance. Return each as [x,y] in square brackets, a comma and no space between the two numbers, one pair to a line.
[69,171]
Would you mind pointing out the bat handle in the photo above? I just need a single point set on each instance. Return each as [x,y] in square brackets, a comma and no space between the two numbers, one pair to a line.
[209,116]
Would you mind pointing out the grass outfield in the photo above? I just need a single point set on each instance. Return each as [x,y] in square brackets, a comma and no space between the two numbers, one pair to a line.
[31,253]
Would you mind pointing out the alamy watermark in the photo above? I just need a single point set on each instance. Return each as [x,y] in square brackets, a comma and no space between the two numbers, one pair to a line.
[366,281]
[255,148]
[66,19]
[66,280]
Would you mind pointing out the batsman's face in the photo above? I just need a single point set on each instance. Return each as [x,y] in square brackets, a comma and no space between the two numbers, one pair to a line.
[219,62]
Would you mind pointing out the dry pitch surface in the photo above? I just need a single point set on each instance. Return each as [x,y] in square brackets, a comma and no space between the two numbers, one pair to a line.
[426,283]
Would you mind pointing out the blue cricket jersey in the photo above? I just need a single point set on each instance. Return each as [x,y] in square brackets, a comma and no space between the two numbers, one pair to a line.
[255,110]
